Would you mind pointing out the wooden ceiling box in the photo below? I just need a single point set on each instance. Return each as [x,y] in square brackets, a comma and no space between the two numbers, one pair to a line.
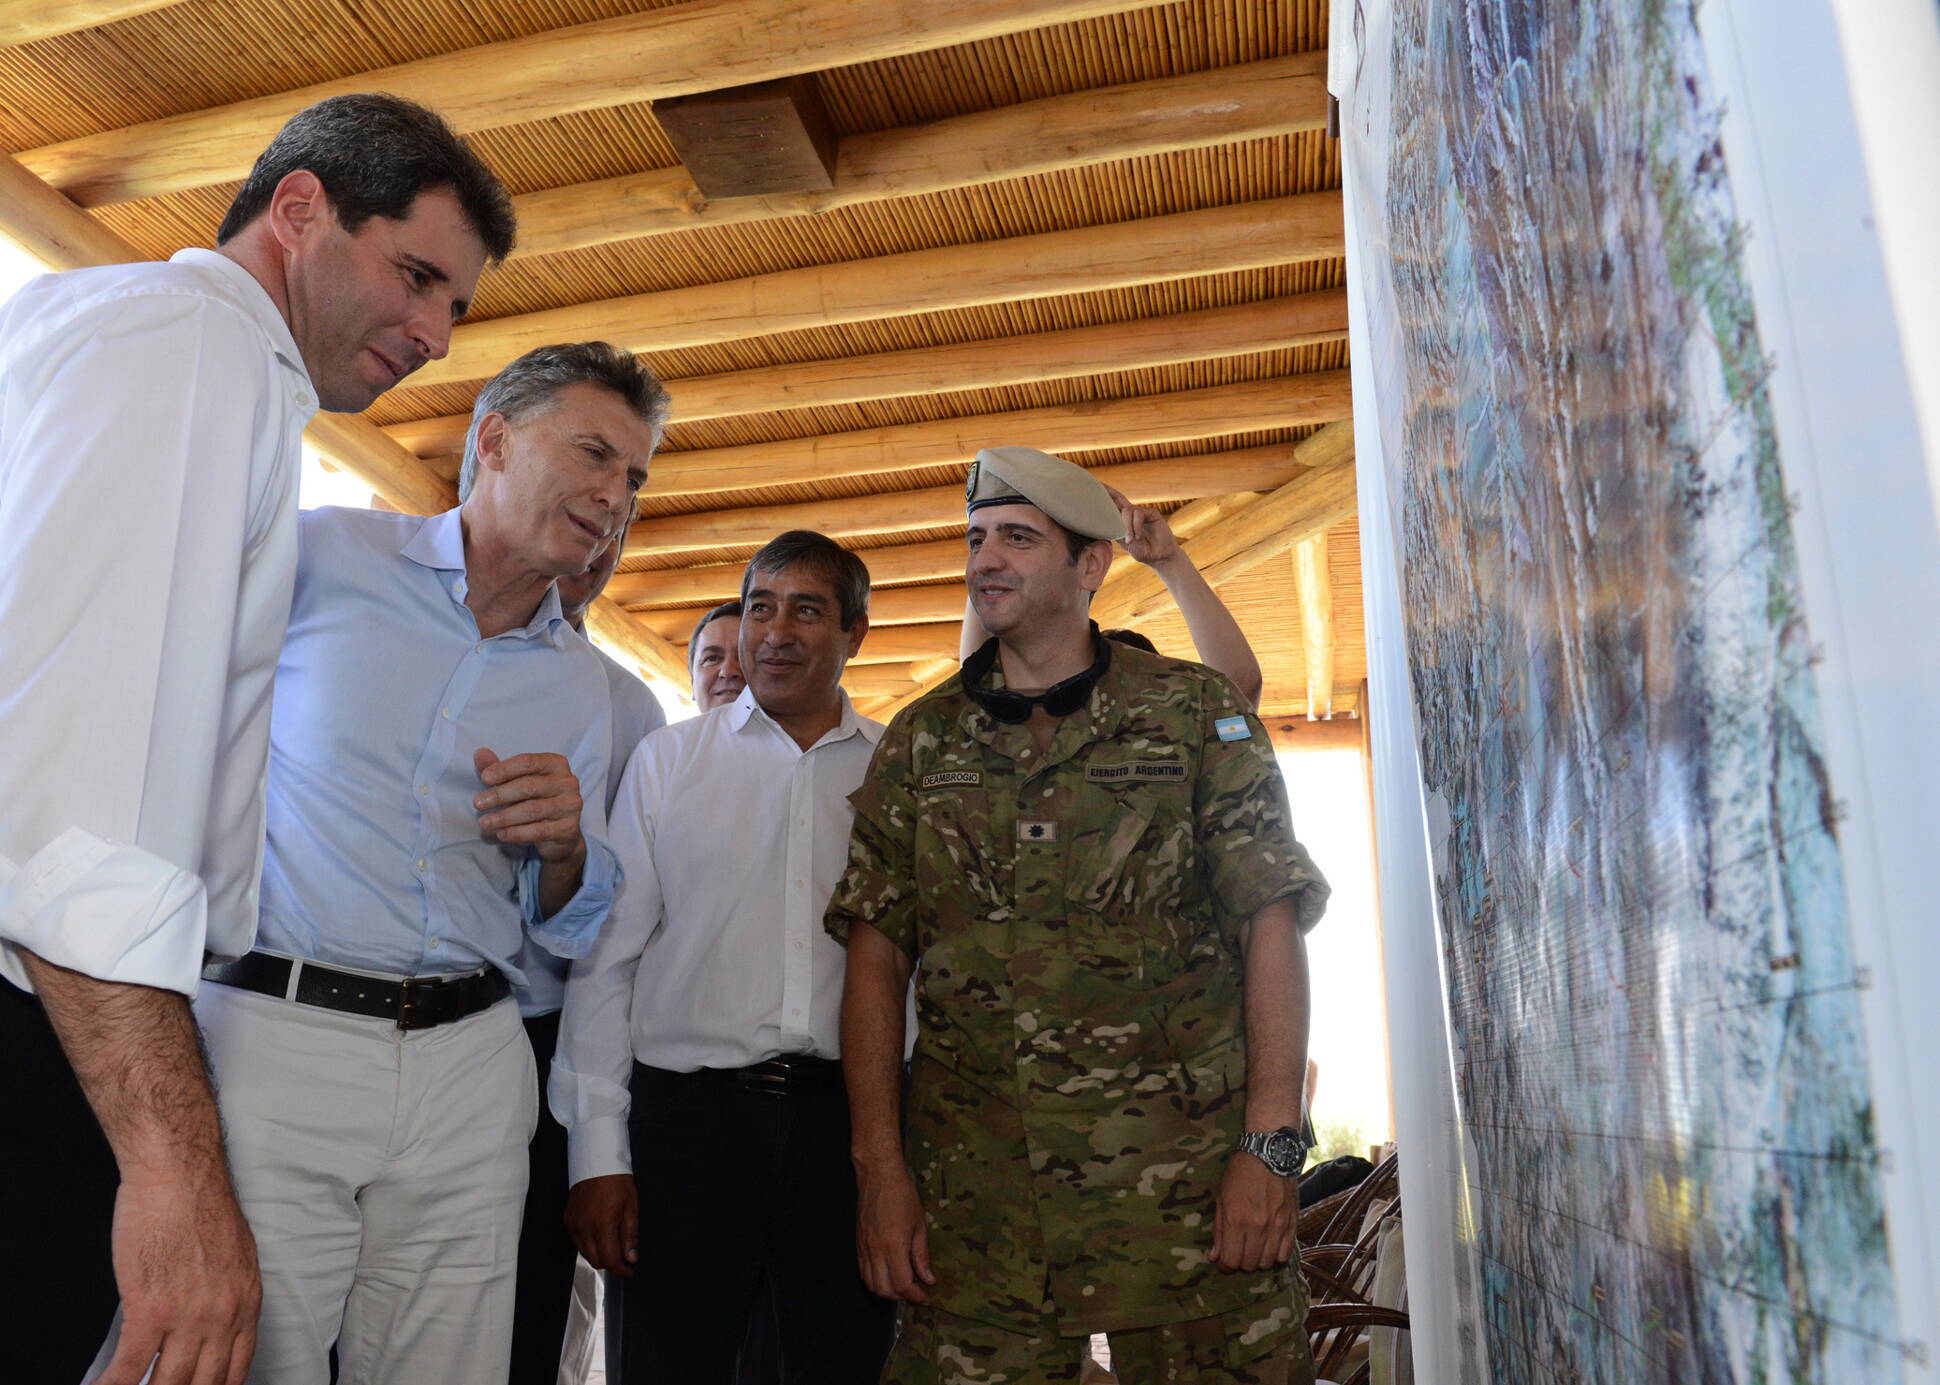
[752,141]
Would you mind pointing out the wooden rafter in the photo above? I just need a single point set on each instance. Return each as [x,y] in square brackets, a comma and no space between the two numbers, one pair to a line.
[64,237]
[1283,401]
[675,51]
[1247,101]
[1316,587]
[24,21]
[1145,483]
[1250,235]
[716,582]
[1239,330]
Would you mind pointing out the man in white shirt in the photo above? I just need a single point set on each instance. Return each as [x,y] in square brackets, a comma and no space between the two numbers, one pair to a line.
[149,424]
[698,1070]
[543,1318]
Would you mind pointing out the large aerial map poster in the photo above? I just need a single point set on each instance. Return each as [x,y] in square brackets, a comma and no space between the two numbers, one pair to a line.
[1672,1171]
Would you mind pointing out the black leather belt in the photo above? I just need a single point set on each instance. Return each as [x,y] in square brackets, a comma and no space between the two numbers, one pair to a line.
[419,1003]
[786,1075]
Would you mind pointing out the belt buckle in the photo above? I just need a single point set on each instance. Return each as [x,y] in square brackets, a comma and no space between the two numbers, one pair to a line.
[765,1079]
[407,1003]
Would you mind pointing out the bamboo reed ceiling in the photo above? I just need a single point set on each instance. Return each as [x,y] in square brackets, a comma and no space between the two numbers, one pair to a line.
[203,55]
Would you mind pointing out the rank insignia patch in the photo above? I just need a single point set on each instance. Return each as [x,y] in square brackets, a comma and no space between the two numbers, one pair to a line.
[1036,831]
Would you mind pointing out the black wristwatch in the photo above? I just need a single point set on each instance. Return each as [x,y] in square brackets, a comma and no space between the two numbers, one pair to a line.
[1283,1150]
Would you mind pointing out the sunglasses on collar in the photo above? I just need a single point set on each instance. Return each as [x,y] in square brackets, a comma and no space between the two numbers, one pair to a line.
[1061,699]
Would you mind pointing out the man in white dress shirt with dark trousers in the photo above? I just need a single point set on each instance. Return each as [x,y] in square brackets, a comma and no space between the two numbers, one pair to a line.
[150,418]
[547,1256]
[698,1071]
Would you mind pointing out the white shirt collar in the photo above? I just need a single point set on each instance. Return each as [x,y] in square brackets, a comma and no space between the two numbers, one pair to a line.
[249,295]
[744,709]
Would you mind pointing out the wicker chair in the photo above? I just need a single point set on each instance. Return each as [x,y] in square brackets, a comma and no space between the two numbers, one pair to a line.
[1337,1258]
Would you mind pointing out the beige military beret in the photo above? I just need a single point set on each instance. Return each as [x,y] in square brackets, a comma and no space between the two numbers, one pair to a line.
[1063,490]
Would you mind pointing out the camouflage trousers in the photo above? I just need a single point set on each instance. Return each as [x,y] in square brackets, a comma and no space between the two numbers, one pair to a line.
[1255,1346]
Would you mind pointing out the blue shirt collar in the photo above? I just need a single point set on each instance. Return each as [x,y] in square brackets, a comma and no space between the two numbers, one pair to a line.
[439,544]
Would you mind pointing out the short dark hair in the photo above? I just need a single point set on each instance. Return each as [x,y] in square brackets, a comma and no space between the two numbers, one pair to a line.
[712,614]
[529,384]
[374,154]
[824,557]
[1133,638]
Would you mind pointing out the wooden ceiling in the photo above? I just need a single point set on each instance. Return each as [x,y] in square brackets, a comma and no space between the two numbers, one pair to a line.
[1109,228]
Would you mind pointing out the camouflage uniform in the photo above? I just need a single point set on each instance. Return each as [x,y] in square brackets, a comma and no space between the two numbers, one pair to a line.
[1079,1076]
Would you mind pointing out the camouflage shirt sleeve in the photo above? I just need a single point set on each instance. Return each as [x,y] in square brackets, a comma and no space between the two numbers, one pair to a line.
[1245,828]
[879,886]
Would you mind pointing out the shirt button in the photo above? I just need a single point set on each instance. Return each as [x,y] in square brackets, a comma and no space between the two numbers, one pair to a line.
[437,942]
[799,946]
[444,711]
[481,646]
[424,788]
[795,1014]
[420,863]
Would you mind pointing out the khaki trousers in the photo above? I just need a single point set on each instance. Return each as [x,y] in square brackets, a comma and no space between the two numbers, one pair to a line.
[383,1174]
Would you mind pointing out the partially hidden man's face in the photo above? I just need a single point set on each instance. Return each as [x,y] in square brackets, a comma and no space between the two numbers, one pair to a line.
[715,661]
[793,646]
[562,479]
[1020,570]
[368,307]
[579,590]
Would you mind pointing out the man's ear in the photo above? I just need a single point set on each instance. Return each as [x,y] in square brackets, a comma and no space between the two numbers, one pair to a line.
[856,632]
[491,441]
[299,209]
[1094,564]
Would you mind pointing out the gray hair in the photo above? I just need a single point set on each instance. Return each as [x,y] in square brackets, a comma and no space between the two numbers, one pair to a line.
[527,386]
[825,558]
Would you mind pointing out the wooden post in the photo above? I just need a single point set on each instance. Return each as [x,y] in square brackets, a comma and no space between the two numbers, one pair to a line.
[1316,588]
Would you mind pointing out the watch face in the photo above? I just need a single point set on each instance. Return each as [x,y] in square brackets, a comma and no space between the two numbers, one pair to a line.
[1284,1152]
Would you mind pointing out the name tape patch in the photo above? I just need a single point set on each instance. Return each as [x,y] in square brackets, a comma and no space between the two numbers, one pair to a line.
[1136,770]
[1233,729]
[954,779]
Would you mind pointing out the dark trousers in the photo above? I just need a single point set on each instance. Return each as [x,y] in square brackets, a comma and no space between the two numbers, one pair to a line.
[57,1196]
[546,1254]
[747,1199]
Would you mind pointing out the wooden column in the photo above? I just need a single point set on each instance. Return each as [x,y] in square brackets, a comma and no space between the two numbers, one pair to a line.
[1316,589]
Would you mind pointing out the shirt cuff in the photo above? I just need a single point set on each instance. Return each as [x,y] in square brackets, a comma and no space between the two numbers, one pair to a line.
[105,909]
[596,1148]
[571,932]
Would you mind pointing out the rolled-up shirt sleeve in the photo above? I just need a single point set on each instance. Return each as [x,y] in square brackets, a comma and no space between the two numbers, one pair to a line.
[127,504]
[593,1064]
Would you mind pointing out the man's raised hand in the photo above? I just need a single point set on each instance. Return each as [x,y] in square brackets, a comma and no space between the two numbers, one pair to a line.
[532,800]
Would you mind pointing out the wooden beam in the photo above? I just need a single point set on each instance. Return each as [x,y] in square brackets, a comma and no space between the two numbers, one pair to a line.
[885,644]
[1319,498]
[1249,235]
[1285,401]
[1226,105]
[761,140]
[896,606]
[1293,734]
[25,21]
[1142,343]
[717,582]
[639,57]
[877,680]
[1145,483]
[65,237]
[1316,586]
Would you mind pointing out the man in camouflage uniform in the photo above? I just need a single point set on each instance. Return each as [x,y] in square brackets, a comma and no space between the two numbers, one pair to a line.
[1101,894]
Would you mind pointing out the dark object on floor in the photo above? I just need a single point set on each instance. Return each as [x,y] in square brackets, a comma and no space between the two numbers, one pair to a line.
[1334,1176]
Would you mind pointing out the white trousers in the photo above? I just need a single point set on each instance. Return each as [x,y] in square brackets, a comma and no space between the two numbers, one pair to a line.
[383,1174]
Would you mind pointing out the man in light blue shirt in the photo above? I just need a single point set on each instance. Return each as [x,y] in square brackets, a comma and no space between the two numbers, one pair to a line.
[436,724]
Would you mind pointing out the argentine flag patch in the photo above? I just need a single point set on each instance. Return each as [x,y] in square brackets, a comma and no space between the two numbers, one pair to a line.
[1233,729]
